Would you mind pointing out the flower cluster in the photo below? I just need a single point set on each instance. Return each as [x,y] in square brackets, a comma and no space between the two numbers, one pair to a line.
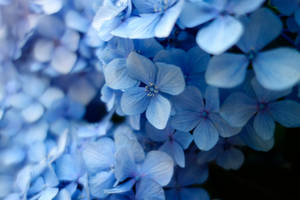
[191,82]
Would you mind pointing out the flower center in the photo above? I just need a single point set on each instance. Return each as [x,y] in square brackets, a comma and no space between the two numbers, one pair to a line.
[262,106]
[205,114]
[151,90]
[160,6]
[251,55]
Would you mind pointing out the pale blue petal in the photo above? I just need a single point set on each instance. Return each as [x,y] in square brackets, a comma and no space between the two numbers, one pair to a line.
[76,21]
[141,68]
[198,59]
[37,152]
[243,7]
[33,112]
[168,20]
[175,151]
[138,27]
[196,13]
[116,75]
[264,125]
[134,101]
[190,100]
[125,165]
[64,195]
[48,194]
[212,100]
[280,73]
[286,113]
[238,109]
[100,182]
[226,70]
[68,167]
[158,111]
[148,47]
[63,60]
[124,187]
[264,27]
[206,135]
[220,35]
[224,129]
[169,79]
[158,166]
[147,189]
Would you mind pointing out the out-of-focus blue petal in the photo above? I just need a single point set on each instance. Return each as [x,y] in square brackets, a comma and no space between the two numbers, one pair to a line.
[43,49]
[167,21]
[285,8]
[138,27]
[185,120]
[194,194]
[75,21]
[198,59]
[205,135]
[51,6]
[158,166]
[280,73]
[220,35]
[183,138]
[155,134]
[169,79]
[243,7]
[226,70]
[50,95]
[192,174]
[149,189]
[37,152]
[264,95]
[196,13]
[191,99]
[116,75]
[264,125]
[70,39]
[255,142]
[237,109]
[231,158]
[148,47]
[68,167]
[33,112]
[63,195]
[286,112]
[101,181]
[99,155]
[172,56]
[158,111]
[297,15]
[264,27]
[134,101]
[175,151]
[63,60]
[141,68]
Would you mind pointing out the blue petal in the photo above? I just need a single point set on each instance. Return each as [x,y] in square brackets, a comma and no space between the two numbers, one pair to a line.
[198,59]
[63,195]
[227,70]
[33,112]
[134,101]
[224,129]
[243,7]
[212,100]
[286,112]
[168,20]
[232,158]
[264,125]
[185,120]
[124,187]
[149,189]
[155,134]
[196,13]
[175,151]
[125,165]
[158,166]
[190,100]
[280,73]
[116,75]
[264,95]
[172,56]
[141,68]
[297,16]
[183,138]
[158,111]
[76,21]
[192,174]
[255,142]
[138,27]
[37,152]
[264,27]
[43,49]
[220,35]
[169,79]
[238,109]
[100,182]
[99,155]
[48,194]
[285,8]
[148,47]
[68,168]
[206,135]
[63,60]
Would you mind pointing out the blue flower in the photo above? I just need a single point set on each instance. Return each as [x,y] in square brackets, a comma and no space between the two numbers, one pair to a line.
[174,142]
[222,29]
[192,112]
[275,69]
[239,108]
[159,79]
[156,18]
